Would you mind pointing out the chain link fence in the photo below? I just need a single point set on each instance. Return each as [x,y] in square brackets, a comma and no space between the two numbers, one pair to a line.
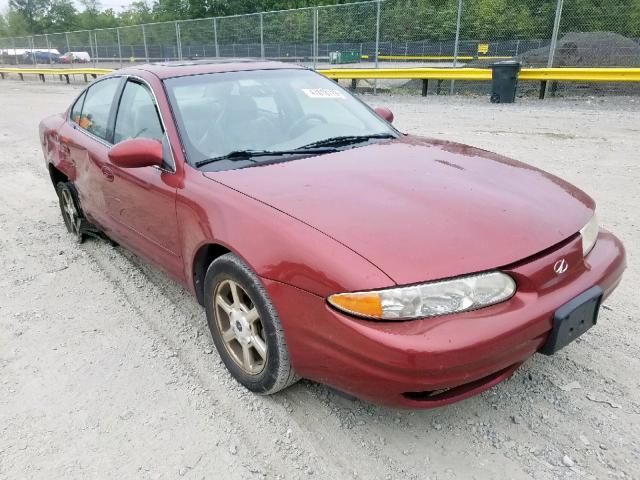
[369,34]
[289,36]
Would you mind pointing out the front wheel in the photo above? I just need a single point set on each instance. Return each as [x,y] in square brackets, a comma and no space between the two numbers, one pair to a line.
[245,327]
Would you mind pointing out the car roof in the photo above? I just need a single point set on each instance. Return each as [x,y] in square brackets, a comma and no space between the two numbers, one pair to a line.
[198,67]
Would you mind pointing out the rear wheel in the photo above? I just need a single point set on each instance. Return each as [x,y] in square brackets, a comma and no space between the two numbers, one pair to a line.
[245,327]
[70,209]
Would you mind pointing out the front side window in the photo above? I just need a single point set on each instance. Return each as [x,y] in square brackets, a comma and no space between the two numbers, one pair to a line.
[266,110]
[137,114]
[96,109]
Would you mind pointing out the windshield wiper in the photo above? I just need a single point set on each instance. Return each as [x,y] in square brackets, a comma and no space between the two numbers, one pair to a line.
[240,155]
[347,140]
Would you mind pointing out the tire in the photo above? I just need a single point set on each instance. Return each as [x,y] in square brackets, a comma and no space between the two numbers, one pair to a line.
[239,331]
[70,209]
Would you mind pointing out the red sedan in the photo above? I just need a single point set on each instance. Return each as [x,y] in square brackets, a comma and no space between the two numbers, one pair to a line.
[324,243]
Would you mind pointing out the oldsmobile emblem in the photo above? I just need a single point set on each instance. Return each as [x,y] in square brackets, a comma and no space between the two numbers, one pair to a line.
[560,266]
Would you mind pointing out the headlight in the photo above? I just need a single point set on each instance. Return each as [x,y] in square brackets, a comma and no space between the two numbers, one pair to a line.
[431,299]
[589,234]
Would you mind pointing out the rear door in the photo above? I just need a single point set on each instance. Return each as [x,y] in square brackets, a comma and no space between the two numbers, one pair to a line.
[86,141]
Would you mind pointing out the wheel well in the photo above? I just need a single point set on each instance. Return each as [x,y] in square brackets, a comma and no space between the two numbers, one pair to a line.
[56,175]
[205,255]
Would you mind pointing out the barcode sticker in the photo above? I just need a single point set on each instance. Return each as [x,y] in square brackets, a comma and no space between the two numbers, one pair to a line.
[322,93]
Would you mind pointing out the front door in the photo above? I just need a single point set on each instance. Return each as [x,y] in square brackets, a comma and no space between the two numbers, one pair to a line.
[142,201]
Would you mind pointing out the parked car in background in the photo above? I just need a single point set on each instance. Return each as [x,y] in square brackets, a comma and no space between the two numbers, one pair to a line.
[323,242]
[75,57]
[7,58]
[40,56]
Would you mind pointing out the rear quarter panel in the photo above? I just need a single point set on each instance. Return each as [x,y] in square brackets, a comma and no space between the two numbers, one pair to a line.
[50,141]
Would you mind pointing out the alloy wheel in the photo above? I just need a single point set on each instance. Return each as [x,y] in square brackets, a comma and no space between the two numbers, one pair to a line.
[70,212]
[240,327]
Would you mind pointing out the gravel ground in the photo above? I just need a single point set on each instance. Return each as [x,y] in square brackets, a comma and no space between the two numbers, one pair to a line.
[107,368]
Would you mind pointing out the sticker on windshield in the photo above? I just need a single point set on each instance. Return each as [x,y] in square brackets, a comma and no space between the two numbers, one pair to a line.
[322,93]
[248,82]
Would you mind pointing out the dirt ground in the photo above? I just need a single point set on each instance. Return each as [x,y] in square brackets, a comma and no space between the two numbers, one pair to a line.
[107,369]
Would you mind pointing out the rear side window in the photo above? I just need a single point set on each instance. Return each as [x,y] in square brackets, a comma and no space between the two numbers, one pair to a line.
[97,107]
[76,110]
[137,114]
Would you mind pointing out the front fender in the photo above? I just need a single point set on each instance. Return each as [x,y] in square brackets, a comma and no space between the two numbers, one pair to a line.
[275,245]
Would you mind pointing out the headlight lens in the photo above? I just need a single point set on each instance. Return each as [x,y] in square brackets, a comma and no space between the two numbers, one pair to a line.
[431,299]
[589,234]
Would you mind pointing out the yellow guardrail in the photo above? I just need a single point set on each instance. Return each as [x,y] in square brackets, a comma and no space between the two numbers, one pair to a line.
[409,73]
[541,74]
[62,72]
[565,74]
[57,71]
[463,58]
[569,74]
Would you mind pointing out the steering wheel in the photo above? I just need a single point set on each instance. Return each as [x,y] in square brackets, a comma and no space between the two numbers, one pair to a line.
[293,129]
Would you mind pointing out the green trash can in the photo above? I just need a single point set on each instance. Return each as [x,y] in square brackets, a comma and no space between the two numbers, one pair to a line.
[504,80]
[344,56]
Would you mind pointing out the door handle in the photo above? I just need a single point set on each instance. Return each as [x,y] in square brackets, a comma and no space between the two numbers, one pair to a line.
[108,174]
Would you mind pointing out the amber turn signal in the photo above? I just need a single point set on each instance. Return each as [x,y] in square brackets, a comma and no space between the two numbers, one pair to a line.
[361,304]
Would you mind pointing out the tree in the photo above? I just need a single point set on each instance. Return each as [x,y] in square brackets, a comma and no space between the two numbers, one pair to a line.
[166,10]
[137,13]
[60,16]
[31,11]
[87,19]
[203,8]
[4,26]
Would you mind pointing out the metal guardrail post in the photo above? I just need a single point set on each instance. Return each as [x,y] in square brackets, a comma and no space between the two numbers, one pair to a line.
[456,45]
[315,37]
[90,47]
[178,41]
[95,47]
[46,38]
[144,41]
[554,35]
[119,45]
[33,53]
[375,82]
[552,47]
[261,36]
[215,36]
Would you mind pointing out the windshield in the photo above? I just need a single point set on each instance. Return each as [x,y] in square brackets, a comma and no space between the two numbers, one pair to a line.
[265,110]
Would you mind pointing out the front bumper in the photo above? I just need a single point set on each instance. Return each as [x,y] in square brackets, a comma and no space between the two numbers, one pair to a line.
[434,361]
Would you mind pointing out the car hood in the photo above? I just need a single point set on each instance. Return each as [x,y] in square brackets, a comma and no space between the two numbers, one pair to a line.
[422,209]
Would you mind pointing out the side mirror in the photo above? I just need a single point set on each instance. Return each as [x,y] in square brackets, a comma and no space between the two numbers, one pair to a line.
[136,153]
[385,113]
